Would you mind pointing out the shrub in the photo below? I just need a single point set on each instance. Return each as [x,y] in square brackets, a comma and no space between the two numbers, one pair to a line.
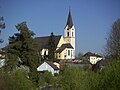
[16,80]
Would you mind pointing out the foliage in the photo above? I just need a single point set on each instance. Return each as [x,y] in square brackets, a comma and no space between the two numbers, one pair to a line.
[12,63]
[110,77]
[2,26]
[51,49]
[16,80]
[79,56]
[71,78]
[21,51]
[22,45]
[46,79]
[113,41]
[82,79]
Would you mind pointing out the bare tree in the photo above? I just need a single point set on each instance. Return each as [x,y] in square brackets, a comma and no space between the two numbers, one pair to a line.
[113,41]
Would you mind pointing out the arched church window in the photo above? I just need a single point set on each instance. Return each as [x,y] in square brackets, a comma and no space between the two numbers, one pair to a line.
[68,34]
[72,34]
[68,52]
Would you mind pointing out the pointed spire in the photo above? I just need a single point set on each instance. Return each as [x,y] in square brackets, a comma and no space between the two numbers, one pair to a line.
[69,21]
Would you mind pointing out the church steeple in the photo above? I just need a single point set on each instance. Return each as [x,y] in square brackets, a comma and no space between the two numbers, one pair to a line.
[69,23]
[69,32]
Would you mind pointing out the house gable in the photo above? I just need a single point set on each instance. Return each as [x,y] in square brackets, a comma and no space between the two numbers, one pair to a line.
[48,66]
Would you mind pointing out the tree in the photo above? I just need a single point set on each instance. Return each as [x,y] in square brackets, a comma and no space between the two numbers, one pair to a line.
[113,41]
[109,78]
[21,51]
[79,56]
[2,26]
[16,80]
[51,48]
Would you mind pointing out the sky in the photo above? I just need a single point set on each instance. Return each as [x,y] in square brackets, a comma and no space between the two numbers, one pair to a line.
[92,19]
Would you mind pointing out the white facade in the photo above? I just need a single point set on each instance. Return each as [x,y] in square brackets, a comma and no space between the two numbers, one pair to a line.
[69,36]
[70,53]
[44,52]
[46,67]
[94,59]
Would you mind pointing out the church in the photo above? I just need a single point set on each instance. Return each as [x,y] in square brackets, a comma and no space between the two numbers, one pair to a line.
[65,45]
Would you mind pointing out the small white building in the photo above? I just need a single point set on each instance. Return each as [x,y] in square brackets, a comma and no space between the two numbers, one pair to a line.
[49,66]
[92,57]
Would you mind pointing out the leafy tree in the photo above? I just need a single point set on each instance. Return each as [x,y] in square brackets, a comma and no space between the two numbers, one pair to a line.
[2,26]
[16,80]
[110,77]
[72,79]
[51,49]
[48,78]
[113,41]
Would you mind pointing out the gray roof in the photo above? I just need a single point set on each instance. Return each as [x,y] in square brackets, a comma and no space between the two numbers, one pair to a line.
[91,54]
[69,21]
[42,42]
[63,47]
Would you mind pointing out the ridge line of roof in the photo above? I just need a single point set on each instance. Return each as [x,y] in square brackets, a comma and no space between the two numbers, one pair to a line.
[48,36]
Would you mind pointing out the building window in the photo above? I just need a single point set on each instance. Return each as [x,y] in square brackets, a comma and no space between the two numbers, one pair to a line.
[71,53]
[72,33]
[68,52]
[68,34]
[65,56]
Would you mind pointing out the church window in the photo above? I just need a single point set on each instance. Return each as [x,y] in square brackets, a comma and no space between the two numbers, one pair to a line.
[71,53]
[64,56]
[72,33]
[68,52]
[68,34]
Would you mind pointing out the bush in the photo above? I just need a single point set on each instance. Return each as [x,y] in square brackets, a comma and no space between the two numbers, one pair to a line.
[46,79]
[16,80]
[110,77]
[82,79]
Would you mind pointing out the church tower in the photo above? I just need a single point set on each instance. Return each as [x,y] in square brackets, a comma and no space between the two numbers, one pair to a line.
[69,32]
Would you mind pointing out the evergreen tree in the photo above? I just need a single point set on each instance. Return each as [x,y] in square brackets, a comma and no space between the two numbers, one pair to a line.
[21,51]
[51,49]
